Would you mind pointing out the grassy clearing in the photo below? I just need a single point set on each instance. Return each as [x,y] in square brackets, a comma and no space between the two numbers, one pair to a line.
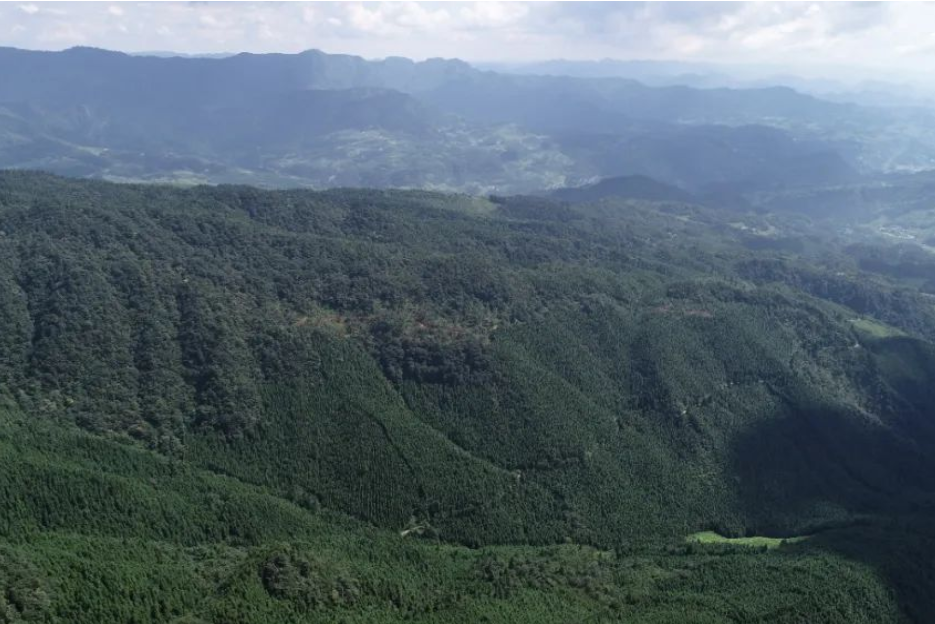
[757,541]
[875,329]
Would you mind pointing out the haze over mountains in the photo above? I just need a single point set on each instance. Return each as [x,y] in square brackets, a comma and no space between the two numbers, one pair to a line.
[847,84]
[331,120]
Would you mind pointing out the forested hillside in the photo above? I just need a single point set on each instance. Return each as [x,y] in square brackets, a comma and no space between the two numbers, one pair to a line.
[248,406]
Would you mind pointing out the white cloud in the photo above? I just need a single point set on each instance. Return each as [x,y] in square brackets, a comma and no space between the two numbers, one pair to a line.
[482,15]
[206,19]
[31,9]
[64,34]
[369,20]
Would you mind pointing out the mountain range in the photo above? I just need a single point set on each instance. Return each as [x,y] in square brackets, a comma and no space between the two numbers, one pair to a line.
[320,120]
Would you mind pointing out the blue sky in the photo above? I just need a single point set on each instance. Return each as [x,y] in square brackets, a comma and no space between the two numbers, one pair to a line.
[883,35]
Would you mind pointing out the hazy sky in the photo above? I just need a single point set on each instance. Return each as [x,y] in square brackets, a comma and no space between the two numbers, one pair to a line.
[886,35]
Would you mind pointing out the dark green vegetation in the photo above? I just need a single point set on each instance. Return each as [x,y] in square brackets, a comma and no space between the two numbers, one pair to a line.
[232,405]
[94,531]
[314,119]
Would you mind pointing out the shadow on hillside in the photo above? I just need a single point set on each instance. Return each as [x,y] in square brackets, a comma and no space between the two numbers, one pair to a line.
[862,489]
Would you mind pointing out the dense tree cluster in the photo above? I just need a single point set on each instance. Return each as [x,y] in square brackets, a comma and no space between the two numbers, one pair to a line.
[213,375]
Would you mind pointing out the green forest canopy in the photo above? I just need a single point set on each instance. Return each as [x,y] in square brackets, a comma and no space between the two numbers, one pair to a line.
[232,405]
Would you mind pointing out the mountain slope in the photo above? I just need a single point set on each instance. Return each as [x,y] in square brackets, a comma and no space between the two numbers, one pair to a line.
[211,323]
[95,532]
[299,404]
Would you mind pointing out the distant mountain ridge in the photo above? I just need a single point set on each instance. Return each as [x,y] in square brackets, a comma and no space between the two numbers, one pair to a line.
[316,119]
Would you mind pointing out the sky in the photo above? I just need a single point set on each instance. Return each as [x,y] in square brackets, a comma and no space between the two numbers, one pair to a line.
[886,36]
